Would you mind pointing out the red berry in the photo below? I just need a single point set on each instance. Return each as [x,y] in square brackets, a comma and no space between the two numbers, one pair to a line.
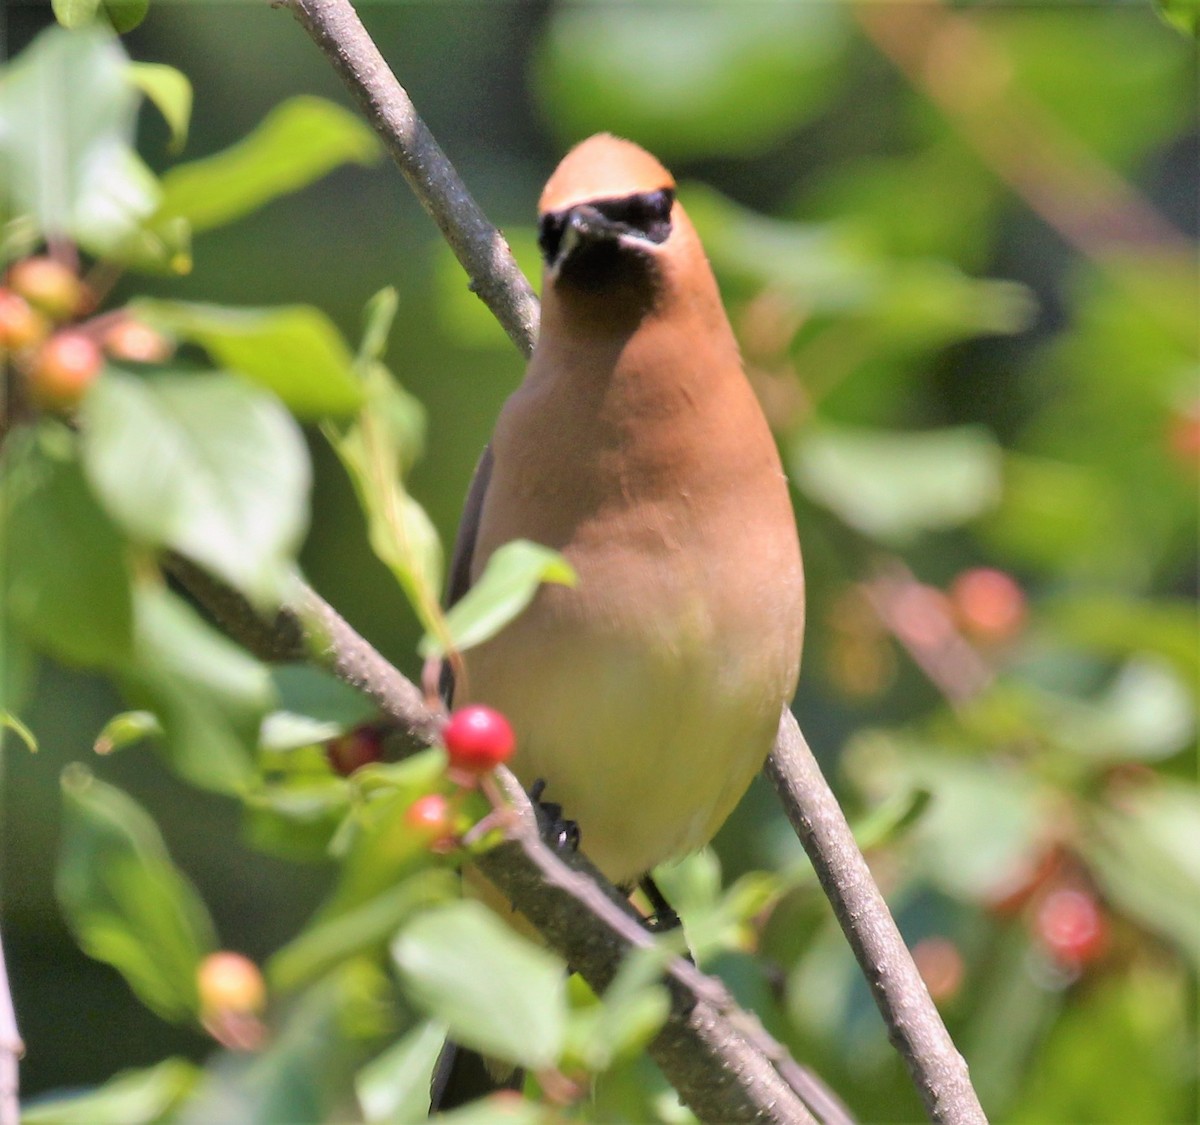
[478,739]
[63,368]
[21,325]
[132,340]
[354,749]
[51,286]
[1072,927]
[432,819]
[229,982]
[988,603]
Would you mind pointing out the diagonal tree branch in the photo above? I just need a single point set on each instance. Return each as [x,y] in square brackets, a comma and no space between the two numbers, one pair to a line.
[914,1024]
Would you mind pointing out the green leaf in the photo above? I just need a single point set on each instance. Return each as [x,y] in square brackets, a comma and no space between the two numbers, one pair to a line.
[9,721]
[893,486]
[74,13]
[296,817]
[208,693]
[1146,856]
[634,1007]
[294,350]
[317,694]
[1182,14]
[496,991]
[126,729]
[377,451]
[324,945]
[378,316]
[380,848]
[508,584]
[205,465]
[1147,713]
[125,15]
[725,80]
[124,899]
[394,1086]
[67,586]
[296,143]
[133,1097]
[67,127]
[170,91]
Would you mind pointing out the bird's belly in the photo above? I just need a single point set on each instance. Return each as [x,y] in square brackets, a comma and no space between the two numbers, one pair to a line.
[644,714]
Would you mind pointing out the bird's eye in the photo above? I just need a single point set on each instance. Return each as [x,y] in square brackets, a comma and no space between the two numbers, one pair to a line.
[550,232]
[648,213]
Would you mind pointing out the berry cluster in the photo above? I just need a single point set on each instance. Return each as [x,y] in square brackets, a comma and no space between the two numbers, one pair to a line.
[46,339]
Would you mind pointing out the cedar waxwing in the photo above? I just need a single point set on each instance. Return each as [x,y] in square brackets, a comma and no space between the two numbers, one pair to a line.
[647,696]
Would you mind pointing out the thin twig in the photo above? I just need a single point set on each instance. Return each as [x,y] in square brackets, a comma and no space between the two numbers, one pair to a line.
[951,59]
[914,1026]
[11,1050]
[335,27]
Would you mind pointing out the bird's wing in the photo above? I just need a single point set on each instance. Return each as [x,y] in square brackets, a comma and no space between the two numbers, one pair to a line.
[459,579]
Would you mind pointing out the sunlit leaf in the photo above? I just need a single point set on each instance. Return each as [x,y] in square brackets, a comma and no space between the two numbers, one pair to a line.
[394,1086]
[378,316]
[1146,856]
[376,451]
[132,1097]
[9,721]
[229,480]
[171,93]
[124,899]
[468,969]
[507,585]
[298,142]
[893,485]
[126,729]
[293,350]
[67,125]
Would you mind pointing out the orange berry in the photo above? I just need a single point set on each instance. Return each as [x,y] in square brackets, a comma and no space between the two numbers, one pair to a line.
[432,819]
[136,342]
[21,325]
[51,286]
[988,604]
[941,967]
[62,369]
[230,983]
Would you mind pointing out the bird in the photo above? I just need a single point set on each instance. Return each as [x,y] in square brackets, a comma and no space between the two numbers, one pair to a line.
[646,696]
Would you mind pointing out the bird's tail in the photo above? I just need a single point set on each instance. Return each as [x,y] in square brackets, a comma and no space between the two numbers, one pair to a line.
[462,1075]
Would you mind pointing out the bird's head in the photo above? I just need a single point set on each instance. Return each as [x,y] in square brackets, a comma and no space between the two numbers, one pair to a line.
[606,216]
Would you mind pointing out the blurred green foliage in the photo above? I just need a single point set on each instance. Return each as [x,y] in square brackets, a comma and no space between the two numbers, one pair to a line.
[964,379]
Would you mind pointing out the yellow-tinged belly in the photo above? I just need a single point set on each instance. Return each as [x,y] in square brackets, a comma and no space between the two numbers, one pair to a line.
[646,698]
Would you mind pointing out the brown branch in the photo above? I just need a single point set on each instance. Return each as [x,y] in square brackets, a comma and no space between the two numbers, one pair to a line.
[914,1026]
[717,1056]
[335,27]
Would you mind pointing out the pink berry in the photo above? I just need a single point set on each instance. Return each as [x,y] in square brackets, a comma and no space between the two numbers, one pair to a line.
[1072,926]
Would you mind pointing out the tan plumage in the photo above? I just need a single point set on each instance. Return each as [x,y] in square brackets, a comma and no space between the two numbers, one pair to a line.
[647,697]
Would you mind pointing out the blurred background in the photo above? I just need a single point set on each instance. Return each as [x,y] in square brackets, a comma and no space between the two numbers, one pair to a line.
[958,247]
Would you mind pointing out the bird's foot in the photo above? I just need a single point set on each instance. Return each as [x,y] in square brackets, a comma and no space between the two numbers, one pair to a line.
[664,919]
[557,831]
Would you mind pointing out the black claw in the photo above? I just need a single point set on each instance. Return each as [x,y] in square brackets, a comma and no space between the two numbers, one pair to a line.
[664,919]
[558,832]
